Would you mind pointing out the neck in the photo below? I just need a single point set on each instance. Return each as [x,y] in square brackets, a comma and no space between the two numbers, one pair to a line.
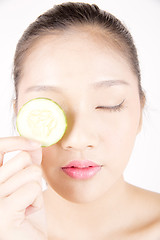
[107,214]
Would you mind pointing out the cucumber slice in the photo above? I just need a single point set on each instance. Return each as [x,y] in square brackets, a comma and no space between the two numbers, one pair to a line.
[43,120]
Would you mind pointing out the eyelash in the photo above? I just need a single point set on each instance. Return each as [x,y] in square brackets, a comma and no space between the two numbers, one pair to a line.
[116,108]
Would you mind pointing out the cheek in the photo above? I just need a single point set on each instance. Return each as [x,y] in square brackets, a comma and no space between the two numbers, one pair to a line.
[118,126]
[118,132]
[50,161]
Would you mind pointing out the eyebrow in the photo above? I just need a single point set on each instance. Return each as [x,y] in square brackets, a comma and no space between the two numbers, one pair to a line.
[45,88]
[109,83]
[96,85]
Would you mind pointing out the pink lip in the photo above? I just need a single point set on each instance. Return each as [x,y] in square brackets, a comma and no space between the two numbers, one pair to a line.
[83,169]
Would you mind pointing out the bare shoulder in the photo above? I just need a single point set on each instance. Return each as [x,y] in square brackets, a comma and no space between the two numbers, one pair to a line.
[147,207]
[146,198]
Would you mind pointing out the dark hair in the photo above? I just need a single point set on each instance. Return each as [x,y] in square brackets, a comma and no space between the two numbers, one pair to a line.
[68,15]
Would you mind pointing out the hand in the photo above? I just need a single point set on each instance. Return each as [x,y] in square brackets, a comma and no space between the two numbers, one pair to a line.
[22,213]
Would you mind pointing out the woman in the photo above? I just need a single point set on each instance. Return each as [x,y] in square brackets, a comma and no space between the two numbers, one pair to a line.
[84,59]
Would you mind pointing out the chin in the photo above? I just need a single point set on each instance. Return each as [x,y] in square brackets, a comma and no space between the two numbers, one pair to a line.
[79,193]
[83,199]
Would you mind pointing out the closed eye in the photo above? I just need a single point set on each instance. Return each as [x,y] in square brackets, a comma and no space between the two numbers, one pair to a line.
[112,108]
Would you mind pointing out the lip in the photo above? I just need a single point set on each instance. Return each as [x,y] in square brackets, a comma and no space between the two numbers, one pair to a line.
[81,164]
[82,169]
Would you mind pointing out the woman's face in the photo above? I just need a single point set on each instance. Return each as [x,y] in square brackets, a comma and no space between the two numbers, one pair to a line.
[85,78]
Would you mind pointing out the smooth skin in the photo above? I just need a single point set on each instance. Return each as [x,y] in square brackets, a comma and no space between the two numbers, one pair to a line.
[103,207]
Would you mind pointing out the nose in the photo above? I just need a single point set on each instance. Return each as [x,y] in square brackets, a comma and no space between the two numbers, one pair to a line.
[80,134]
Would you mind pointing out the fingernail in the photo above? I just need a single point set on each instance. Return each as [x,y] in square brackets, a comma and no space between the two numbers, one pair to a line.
[36,156]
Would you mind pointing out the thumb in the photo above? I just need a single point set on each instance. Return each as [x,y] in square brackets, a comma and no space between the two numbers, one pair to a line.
[36,155]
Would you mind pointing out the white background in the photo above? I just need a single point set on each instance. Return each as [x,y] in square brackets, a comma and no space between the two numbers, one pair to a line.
[142,17]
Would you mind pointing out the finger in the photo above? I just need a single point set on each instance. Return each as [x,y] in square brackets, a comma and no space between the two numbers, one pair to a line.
[27,195]
[17,163]
[32,173]
[9,144]
[36,205]
[36,155]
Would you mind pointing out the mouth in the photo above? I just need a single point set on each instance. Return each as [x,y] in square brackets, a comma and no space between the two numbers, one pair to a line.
[82,169]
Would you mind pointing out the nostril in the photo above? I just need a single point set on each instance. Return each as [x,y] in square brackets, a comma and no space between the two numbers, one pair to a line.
[69,147]
[89,146]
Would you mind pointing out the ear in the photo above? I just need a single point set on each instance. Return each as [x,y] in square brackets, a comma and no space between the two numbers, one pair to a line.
[142,104]
[15,106]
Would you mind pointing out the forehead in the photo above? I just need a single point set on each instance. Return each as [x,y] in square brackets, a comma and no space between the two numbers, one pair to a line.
[81,55]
